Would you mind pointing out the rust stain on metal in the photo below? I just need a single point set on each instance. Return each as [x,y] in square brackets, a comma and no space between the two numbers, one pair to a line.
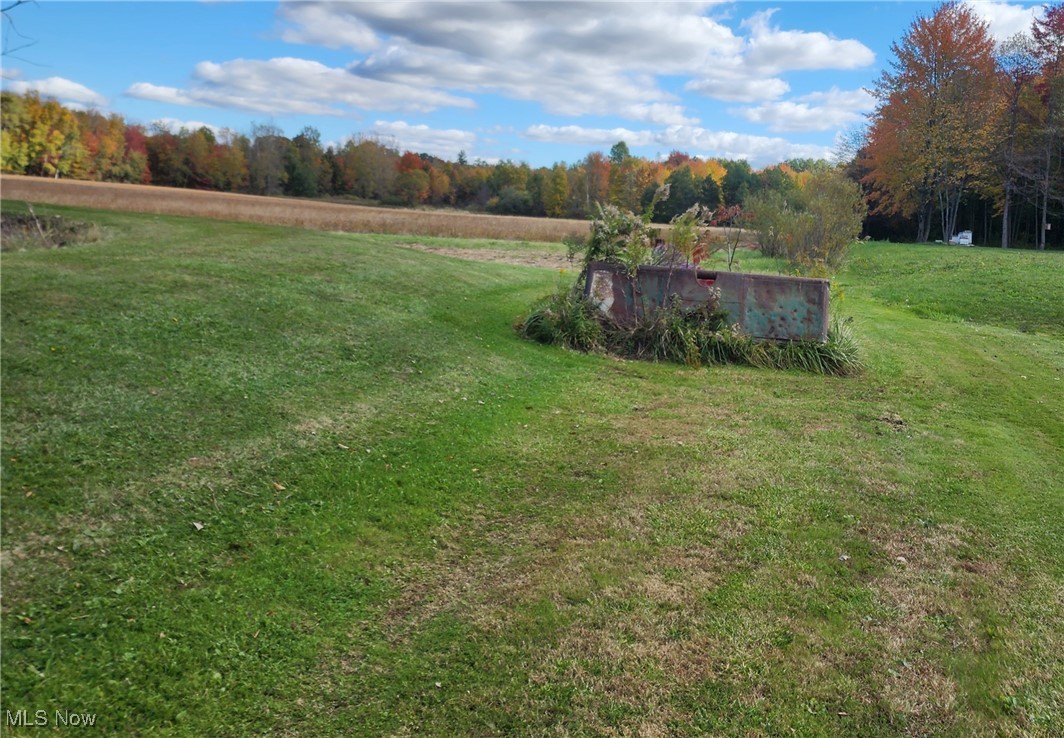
[766,306]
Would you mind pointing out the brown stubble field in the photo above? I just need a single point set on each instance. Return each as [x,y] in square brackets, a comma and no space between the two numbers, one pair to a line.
[312,214]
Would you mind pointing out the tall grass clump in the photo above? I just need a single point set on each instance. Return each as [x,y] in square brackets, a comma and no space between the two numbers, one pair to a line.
[566,318]
[668,334]
[838,356]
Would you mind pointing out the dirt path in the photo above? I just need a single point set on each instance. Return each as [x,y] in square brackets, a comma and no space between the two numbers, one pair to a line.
[543,259]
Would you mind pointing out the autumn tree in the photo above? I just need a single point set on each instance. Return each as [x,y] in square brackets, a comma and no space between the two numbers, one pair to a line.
[41,137]
[266,160]
[627,178]
[930,126]
[684,193]
[556,192]
[812,227]
[779,178]
[596,168]
[412,186]
[104,141]
[306,172]
[230,167]
[536,188]
[1017,68]
[15,117]
[470,184]
[508,174]
[410,161]
[440,191]
[137,155]
[827,219]
[197,149]
[368,167]
[1048,174]
[509,185]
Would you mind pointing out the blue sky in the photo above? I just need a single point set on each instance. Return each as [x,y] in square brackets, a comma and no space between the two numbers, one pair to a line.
[539,82]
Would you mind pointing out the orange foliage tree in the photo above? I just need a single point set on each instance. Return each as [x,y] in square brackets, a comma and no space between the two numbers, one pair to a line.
[932,123]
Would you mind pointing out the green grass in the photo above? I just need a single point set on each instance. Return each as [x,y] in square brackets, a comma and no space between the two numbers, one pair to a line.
[1017,289]
[260,480]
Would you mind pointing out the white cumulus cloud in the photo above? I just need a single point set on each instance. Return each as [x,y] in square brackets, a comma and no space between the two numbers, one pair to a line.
[61,89]
[742,88]
[1005,19]
[601,59]
[291,85]
[159,93]
[751,73]
[444,143]
[818,111]
[771,50]
[574,58]
[174,125]
[588,136]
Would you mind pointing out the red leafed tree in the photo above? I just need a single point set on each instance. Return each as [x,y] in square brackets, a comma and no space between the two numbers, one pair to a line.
[410,162]
[137,154]
[677,159]
[932,123]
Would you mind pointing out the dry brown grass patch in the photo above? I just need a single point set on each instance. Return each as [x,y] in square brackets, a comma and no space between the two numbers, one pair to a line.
[542,259]
[929,596]
[312,214]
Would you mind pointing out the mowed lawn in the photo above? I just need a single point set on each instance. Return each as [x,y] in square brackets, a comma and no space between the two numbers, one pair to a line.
[268,481]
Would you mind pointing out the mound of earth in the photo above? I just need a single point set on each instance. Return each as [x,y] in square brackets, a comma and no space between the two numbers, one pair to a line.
[25,231]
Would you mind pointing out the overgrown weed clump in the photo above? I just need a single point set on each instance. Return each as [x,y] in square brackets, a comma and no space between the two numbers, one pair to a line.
[27,231]
[695,337]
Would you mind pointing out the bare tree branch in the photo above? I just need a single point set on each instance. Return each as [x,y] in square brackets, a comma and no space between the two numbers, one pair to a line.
[5,13]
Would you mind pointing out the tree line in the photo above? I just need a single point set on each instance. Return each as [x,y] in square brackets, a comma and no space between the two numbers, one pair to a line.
[44,138]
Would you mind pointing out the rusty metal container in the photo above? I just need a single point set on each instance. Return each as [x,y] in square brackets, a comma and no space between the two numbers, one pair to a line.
[766,306]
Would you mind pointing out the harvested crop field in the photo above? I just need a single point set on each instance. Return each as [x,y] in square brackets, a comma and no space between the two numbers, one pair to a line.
[312,214]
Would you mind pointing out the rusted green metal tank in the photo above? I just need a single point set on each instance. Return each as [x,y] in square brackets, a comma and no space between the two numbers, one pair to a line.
[766,306]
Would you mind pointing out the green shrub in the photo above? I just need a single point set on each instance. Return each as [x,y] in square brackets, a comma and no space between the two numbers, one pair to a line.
[814,232]
[690,240]
[618,237]
[770,216]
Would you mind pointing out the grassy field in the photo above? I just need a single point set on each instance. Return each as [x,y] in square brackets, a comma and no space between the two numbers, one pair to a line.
[259,480]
